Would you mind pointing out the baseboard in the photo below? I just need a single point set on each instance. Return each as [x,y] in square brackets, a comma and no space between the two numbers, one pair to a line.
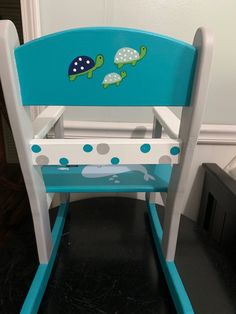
[211,134]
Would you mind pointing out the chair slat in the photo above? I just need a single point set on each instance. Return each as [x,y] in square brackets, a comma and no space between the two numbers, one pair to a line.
[104,151]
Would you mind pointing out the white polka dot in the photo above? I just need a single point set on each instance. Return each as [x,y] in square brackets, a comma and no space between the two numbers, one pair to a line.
[76,63]
[125,55]
[81,68]
[130,58]
[74,70]
[80,59]
[119,53]
[87,61]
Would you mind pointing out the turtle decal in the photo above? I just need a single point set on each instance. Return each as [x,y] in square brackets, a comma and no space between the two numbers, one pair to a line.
[128,55]
[84,65]
[113,79]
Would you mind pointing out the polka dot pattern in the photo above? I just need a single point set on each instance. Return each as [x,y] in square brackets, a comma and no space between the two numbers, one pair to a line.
[64,161]
[42,160]
[174,150]
[80,64]
[111,78]
[165,159]
[115,161]
[109,154]
[125,55]
[88,148]
[36,149]
[145,148]
[103,148]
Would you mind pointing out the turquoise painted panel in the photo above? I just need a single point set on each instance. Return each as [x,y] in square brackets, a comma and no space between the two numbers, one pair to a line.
[114,178]
[174,282]
[105,67]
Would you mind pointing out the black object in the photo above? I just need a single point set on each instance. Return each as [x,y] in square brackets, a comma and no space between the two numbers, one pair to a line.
[218,207]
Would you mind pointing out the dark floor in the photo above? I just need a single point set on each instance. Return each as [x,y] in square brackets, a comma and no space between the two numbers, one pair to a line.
[107,264]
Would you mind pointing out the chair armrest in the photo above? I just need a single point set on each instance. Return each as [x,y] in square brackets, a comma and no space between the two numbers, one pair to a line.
[168,120]
[46,120]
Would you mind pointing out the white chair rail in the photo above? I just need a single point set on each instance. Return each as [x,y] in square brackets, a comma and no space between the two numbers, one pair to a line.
[168,121]
[104,151]
[46,120]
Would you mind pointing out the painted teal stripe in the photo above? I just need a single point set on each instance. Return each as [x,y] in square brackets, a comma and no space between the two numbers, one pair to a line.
[39,284]
[105,188]
[174,282]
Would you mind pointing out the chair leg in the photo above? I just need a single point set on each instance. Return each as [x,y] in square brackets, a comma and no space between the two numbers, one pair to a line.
[39,283]
[173,209]
[170,234]
[42,231]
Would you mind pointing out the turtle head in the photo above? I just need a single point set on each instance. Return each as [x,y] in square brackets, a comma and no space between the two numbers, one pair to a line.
[123,74]
[143,51]
[99,61]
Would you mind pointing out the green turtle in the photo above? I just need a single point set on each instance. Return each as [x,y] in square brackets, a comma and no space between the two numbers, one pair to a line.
[113,78]
[128,55]
[84,65]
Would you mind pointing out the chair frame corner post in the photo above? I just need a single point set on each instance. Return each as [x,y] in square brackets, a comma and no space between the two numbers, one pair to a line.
[21,125]
[189,129]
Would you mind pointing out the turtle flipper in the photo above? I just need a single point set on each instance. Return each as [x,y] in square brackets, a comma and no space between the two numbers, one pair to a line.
[90,74]
[73,77]
[120,65]
[105,85]
[134,62]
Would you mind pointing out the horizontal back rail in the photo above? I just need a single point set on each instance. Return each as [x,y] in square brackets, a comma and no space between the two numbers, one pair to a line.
[104,151]
[105,67]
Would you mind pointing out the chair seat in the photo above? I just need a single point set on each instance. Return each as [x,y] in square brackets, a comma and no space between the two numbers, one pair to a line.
[109,178]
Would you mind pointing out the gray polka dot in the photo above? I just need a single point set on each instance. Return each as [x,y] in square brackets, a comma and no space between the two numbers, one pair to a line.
[103,149]
[42,160]
[165,159]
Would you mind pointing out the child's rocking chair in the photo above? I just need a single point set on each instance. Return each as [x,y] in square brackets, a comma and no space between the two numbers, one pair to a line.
[104,67]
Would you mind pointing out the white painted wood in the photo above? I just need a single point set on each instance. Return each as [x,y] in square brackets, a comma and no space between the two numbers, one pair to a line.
[59,133]
[23,132]
[168,120]
[46,120]
[127,150]
[76,129]
[189,129]
[157,131]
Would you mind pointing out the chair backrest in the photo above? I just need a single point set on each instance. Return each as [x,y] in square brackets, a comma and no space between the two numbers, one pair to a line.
[77,67]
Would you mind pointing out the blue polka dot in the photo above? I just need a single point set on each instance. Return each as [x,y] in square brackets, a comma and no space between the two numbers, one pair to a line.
[88,148]
[115,160]
[64,161]
[175,150]
[145,148]
[36,148]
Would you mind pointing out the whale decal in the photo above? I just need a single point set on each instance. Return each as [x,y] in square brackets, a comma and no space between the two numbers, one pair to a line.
[109,170]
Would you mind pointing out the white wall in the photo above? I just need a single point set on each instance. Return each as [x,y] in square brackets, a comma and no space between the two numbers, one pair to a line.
[176,18]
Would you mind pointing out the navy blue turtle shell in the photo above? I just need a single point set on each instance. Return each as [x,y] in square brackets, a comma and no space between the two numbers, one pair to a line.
[80,64]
